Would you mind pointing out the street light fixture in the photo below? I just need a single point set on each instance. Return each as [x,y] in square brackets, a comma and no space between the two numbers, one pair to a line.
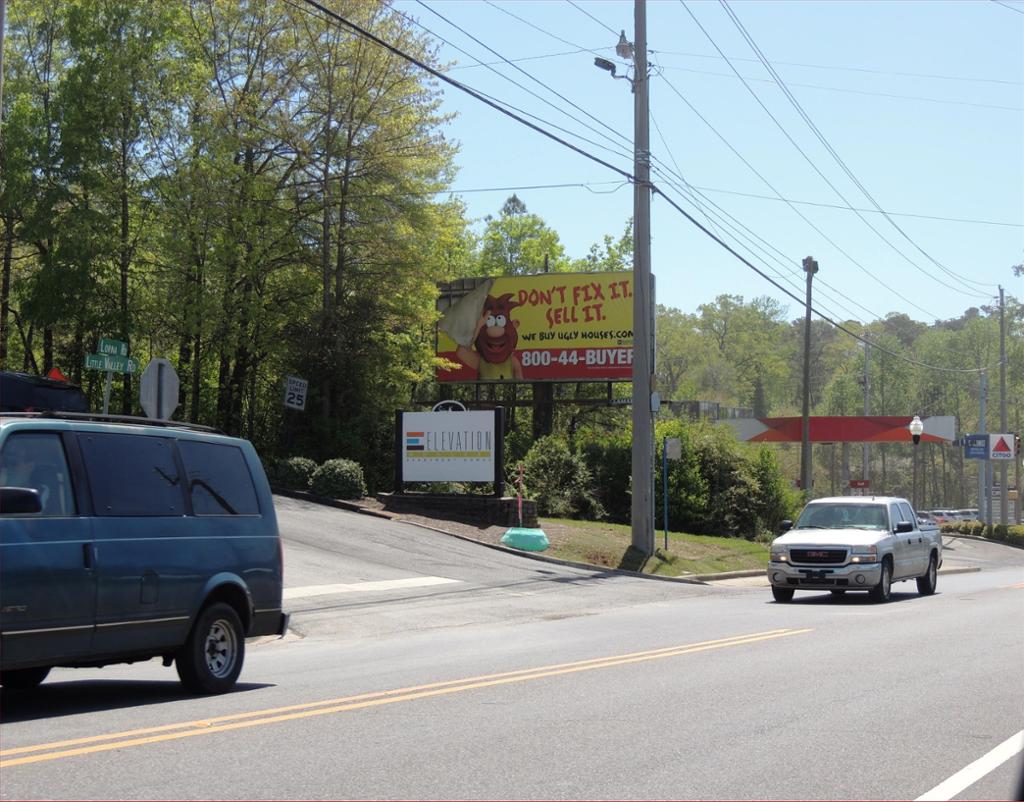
[916,430]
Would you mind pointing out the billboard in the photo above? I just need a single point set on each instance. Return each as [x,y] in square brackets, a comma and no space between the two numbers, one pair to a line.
[547,327]
[449,446]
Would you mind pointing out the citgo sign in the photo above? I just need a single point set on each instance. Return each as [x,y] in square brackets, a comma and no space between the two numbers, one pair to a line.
[550,327]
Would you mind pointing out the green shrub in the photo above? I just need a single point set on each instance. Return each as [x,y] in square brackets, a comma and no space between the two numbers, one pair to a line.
[339,478]
[609,460]
[560,481]
[294,473]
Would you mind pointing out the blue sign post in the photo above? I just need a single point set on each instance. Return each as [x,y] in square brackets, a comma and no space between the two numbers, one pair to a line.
[975,446]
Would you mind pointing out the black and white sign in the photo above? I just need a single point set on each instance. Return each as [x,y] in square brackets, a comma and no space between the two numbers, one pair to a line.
[295,392]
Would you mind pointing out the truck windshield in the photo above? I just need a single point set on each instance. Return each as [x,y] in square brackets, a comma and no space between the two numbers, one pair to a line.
[842,516]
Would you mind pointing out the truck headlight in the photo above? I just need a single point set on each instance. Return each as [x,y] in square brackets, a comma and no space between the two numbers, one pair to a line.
[864,554]
[779,556]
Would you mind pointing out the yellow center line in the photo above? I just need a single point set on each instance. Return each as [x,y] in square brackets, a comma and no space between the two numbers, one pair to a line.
[207,722]
[361,701]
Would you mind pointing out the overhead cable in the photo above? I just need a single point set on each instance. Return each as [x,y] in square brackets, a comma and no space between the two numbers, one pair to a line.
[838,159]
[356,28]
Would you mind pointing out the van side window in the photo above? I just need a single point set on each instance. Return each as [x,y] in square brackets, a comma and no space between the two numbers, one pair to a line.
[132,475]
[36,460]
[218,479]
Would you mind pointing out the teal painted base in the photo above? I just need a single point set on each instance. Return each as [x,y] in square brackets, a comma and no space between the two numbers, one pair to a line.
[525,539]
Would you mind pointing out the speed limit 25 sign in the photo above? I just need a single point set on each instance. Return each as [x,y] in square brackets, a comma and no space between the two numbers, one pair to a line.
[295,392]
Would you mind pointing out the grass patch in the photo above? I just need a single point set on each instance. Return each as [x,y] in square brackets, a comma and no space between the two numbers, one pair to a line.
[604,544]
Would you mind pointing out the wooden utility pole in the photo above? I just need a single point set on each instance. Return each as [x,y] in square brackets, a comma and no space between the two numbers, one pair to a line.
[806,468]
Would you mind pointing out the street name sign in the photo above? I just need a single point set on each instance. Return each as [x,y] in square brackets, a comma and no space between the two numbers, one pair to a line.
[112,347]
[115,363]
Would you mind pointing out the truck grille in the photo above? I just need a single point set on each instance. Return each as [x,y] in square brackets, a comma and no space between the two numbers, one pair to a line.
[817,555]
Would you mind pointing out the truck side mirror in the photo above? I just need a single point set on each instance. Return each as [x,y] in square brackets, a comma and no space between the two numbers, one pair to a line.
[903,527]
[785,526]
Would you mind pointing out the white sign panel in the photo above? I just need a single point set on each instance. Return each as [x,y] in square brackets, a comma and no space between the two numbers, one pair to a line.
[295,392]
[1000,446]
[448,446]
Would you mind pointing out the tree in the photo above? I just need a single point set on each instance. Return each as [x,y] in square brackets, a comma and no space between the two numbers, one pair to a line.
[518,243]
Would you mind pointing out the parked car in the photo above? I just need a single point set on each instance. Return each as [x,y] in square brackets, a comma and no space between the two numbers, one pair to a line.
[967,515]
[23,392]
[124,539]
[927,521]
[854,543]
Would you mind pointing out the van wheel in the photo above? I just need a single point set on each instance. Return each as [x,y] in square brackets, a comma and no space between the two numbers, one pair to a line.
[211,659]
[882,592]
[926,584]
[24,678]
[782,594]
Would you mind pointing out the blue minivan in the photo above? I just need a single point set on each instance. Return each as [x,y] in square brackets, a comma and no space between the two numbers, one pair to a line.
[124,539]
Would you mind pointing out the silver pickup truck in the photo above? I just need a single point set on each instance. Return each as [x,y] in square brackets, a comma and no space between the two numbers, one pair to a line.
[854,543]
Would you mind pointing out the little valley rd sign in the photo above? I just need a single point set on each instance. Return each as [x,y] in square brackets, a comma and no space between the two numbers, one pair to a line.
[115,364]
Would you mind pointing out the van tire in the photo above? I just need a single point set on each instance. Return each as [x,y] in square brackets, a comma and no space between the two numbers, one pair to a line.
[23,679]
[211,659]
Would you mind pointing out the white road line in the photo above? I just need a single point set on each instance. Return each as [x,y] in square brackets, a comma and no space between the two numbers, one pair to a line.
[969,775]
[366,587]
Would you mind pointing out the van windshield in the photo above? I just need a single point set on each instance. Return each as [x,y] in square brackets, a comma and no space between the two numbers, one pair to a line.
[842,516]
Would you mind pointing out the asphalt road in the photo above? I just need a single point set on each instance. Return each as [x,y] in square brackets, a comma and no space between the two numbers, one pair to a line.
[421,666]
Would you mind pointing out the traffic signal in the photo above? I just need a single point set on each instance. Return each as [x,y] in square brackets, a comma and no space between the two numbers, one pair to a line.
[1016,444]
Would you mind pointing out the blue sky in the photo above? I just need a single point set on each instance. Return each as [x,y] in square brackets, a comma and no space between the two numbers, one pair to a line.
[921,100]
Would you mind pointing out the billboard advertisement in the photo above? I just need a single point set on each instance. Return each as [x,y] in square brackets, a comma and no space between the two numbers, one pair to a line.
[448,446]
[547,327]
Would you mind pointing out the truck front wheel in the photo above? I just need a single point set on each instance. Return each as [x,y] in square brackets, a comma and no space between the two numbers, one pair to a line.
[926,584]
[883,590]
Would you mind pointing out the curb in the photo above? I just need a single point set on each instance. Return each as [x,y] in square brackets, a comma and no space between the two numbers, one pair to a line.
[981,539]
[351,506]
[690,579]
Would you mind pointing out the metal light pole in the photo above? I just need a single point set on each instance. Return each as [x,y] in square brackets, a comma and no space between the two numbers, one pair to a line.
[916,430]
[1003,491]
[806,468]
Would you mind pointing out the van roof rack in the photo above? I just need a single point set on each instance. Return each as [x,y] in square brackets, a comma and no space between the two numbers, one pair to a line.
[98,417]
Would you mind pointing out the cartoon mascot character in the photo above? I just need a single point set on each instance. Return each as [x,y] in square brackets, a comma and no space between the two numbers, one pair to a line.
[494,340]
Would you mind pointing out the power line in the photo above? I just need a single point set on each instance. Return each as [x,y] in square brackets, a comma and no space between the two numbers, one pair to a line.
[654,188]
[1007,5]
[778,194]
[944,101]
[869,211]
[522,59]
[849,69]
[557,94]
[810,161]
[828,146]
[595,19]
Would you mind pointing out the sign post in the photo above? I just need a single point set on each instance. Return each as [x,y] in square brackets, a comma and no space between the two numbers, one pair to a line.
[158,389]
[112,358]
[671,448]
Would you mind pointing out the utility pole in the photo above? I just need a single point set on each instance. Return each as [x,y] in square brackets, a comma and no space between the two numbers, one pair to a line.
[867,398]
[1003,492]
[806,468]
[642,510]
